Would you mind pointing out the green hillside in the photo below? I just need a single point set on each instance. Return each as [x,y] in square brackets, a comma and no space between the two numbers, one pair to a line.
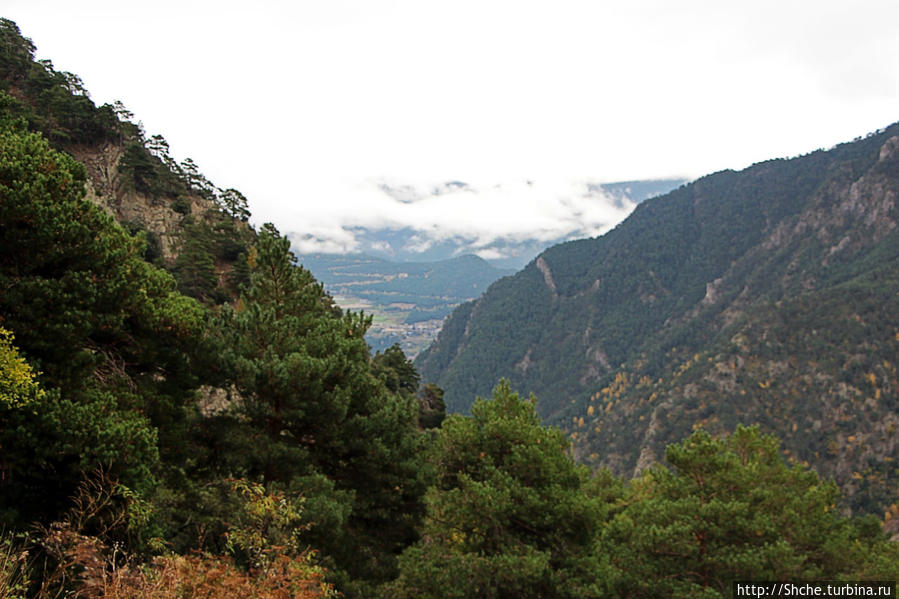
[762,296]
[175,391]
[186,412]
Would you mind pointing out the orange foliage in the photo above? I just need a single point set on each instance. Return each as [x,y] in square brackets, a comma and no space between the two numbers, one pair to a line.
[86,567]
[88,571]
[202,576]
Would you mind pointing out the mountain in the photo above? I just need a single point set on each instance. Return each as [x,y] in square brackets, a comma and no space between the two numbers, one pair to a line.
[408,300]
[191,227]
[120,392]
[410,279]
[250,445]
[766,296]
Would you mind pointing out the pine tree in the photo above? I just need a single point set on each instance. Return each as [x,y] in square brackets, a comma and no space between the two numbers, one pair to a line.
[322,424]
[107,331]
[732,509]
[509,516]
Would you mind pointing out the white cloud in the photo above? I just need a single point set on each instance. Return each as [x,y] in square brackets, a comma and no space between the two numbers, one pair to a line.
[381,246]
[479,214]
[419,243]
[322,237]
[492,254]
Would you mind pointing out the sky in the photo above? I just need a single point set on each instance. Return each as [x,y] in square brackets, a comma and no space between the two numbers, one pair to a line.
[318,111]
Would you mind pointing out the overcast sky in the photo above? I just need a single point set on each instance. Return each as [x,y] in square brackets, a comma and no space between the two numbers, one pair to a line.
[309,107]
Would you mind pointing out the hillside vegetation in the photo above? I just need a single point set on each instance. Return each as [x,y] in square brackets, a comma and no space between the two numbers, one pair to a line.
[764,296]
[231,435]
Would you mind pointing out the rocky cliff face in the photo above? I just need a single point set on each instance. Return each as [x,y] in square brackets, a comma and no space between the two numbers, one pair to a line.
[763,297]
[131,175]
[108,188]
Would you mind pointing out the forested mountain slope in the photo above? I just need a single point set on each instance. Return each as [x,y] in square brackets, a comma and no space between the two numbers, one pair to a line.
[762,296]
[318,472]
[110,451]
[193,228]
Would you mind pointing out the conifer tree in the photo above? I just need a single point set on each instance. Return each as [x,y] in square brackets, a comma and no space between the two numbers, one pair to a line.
[509,516]
[322,424]
[107,331]
[732,509]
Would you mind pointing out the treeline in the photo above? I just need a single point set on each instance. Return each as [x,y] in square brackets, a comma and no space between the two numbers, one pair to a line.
[510,514]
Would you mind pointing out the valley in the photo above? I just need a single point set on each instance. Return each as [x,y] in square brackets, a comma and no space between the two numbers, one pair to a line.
[650,388]
[407,300]
[409,282]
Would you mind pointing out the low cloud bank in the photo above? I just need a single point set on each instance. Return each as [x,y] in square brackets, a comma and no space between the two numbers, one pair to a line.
[485,218]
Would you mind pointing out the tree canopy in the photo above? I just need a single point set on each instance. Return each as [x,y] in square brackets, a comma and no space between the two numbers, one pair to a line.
[508,514]
[730,509]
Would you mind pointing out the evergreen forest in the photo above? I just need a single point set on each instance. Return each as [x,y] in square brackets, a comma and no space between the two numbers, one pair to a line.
[185,412]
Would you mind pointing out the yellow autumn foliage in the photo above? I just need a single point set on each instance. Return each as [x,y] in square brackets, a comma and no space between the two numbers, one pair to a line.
[17,379]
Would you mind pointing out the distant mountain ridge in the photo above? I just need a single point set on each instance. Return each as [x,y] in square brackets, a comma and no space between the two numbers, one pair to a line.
[767,296]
